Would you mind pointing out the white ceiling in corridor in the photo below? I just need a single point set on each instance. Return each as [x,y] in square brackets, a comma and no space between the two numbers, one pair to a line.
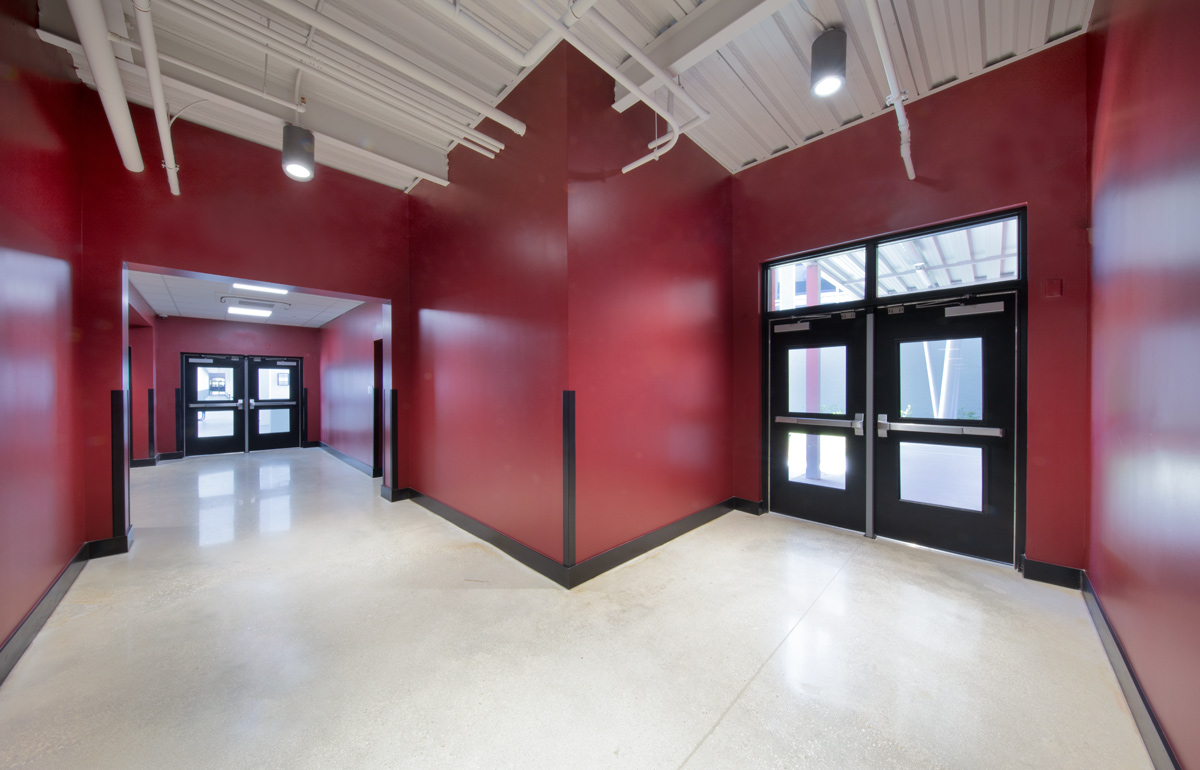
[375,121]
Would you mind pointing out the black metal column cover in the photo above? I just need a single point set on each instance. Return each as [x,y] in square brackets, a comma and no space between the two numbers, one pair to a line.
[303,416]
[569,478]
[150,421]
[120,463]
[393,407]
[179,422]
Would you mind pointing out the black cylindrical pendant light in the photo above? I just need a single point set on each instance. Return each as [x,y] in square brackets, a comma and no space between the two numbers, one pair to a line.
[298,147]
[828,62]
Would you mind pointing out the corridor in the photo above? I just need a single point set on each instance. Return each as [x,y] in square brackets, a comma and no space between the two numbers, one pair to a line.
[275,612]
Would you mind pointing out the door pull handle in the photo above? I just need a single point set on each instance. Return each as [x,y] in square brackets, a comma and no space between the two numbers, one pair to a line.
[857,424]
[882,424]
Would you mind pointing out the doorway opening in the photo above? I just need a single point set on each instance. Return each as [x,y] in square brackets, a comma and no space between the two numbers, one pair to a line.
[894,387]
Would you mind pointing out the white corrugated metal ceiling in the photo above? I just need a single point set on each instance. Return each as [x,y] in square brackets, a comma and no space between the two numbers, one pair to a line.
[752,75]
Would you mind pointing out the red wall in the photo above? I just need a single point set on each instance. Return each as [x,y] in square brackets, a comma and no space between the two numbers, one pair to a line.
[648,321]
[40,525]
[347,381]
[489,314]
[142,348]
[1016,136]
[238,216]
[1144,560]
[176,336]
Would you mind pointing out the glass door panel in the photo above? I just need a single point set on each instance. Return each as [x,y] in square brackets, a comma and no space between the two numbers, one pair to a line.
[274,402]
[817,445]
[214,404]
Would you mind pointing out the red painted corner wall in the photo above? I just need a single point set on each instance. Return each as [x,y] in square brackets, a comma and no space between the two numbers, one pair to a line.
[1015,136]
[1144,559]
[489,315]
[141,348]
[348,381]
[41,528]
[176,336]
[648,321]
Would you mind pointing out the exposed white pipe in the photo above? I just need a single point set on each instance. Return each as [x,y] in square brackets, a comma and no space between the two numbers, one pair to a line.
[294,106]
[339,31]
[641,58]
[201,95]
[562,30]
[145,25]
[93,37]
[270,42]
[682,129]
[895,97]
[454,12]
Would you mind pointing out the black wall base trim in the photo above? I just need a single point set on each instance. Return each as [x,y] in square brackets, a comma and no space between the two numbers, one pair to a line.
[757,507]
[110,546]
[396,495]
[358,465]
[565,576]
[536,561]
[16,644]
[310,444]
[168,456]
[1147,724]
[1043,572]
[148,462]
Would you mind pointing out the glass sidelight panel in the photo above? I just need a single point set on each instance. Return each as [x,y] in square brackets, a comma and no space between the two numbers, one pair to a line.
[214,383]
[214,423]
[817,380]
[837,277]
[937,474]
[941,379]
[274,420]
[274,384]
[817,459]
[951,259]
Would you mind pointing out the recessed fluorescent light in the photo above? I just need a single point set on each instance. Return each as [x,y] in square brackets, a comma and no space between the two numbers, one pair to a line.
[267,289]
[249,311]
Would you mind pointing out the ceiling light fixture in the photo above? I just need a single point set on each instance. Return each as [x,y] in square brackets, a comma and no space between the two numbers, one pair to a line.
[298,144]
[829,62]
[267,289]
[249,311]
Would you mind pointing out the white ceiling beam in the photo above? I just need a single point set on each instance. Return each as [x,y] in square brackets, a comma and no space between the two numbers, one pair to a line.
[699,34]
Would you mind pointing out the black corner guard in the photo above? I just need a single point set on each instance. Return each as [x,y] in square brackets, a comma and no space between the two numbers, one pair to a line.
[1044,572]
[395,495]
[756,507]
[570,577]
[1143,715]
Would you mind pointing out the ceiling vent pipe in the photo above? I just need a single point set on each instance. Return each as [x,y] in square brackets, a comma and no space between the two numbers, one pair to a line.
[145,25]
[93,36]
[896,97]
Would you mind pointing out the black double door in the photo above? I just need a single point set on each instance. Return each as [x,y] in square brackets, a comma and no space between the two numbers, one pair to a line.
[900,422]
[240,403]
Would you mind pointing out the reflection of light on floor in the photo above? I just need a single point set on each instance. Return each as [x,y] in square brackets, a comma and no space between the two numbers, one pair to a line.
[274,476]
[275,513]
[216,524]
[832,466]
[215,484]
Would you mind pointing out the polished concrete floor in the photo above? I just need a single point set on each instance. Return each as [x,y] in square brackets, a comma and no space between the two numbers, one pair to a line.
[276,613]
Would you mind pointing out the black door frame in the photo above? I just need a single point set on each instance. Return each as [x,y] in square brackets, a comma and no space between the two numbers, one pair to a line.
[871,304]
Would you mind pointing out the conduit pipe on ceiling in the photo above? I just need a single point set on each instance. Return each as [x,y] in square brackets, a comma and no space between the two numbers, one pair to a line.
[339,31]
[896,98]
[454,12]
[561,29]
[294,106]
[202,95]
[272,43]
[93,37]
[145,25]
